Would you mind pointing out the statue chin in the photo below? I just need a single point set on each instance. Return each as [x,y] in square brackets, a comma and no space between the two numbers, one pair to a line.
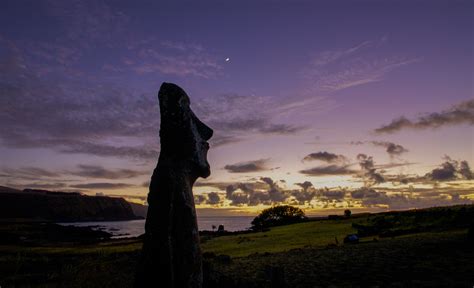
[206,172]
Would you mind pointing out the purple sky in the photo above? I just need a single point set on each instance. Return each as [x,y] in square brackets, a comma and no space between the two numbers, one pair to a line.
[370,102]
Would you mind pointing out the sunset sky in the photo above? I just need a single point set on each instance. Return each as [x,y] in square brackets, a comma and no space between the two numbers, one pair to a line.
[329,105]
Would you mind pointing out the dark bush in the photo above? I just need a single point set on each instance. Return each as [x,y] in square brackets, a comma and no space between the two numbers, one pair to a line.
[347,213]
[278,215]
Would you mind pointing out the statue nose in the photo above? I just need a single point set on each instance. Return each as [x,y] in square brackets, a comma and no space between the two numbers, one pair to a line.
[205,131]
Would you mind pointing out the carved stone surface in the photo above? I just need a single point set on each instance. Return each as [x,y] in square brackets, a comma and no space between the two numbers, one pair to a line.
[171,255]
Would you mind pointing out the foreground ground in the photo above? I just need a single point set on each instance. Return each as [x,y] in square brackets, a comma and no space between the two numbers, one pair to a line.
[308,254]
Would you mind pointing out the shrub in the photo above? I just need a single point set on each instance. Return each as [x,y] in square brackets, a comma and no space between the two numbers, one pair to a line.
[278,215]
[347,213]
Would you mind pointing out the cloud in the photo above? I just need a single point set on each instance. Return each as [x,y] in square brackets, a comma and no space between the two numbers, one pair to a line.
[252,194]
[43,185]
[281,129]
[132,152]
[451,170]
[175,58]
[393,165]
[305,185]
[333,194]
[127,196]
[266,191]
[328,170]
[88,23]
[29,173]
[94,171]
[465,171]
[218,185]
[70,116]
[400,201]
[213,198]
[392,149]
[199,199]
[248,166]
[237,117]
[236,198]
[326,157]
[221,140]
[448,172]
[462,113]
[306,195]
[408,198]
[364,192]
[102,185]
[340,69]
[370,172]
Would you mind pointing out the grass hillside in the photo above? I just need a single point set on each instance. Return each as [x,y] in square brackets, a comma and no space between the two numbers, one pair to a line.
[282,238]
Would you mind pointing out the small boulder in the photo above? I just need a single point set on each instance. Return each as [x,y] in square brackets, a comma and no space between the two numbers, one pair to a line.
[351,239]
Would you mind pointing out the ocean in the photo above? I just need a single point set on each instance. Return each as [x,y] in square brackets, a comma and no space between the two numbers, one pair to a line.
[133,228]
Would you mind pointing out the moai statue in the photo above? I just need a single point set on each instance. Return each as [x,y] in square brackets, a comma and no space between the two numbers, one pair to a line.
[171,254]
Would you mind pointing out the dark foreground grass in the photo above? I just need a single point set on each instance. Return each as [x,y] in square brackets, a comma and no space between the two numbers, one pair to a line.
[441,259]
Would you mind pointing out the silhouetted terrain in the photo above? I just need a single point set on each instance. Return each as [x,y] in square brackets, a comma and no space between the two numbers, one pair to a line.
[423,248]
[42,205]
[139,209]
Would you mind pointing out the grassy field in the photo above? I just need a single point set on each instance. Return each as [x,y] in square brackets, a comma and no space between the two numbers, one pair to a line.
[316,234]
[303,255]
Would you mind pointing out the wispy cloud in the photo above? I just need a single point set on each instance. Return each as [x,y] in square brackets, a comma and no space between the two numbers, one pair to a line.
[88,23]
[174,58]
[31,173]
[339,69]
[102,185]
[70,116]
[329,170]
[462,113]
[391,148]
[248,166]
[326,157]
[95,171]
[370,173]
[45,185]
[142,153]
[237,117]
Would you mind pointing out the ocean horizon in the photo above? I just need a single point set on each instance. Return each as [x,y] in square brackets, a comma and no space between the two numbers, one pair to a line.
[134,228]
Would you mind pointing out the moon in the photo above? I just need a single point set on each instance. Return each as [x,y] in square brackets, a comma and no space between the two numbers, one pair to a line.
[227,59]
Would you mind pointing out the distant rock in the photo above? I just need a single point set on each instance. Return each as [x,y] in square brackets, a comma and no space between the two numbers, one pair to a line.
[351,239]
[139,210]
[43,205]
[4,189]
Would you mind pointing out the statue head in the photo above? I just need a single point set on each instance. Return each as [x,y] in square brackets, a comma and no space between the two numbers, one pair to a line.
[183,136]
